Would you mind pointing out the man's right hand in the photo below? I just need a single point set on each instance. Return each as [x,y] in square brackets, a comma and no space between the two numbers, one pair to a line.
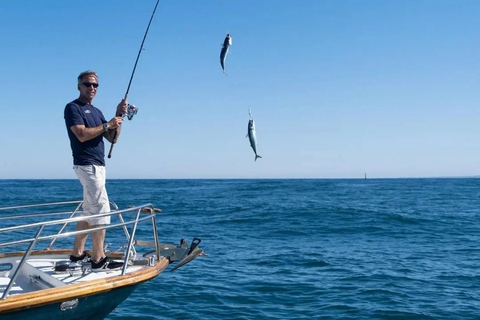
[115,122]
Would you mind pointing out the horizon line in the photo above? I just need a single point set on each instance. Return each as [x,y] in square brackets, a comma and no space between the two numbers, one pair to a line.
[277,178]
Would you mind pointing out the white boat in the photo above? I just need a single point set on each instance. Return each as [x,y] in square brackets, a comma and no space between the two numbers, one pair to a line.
[38,281]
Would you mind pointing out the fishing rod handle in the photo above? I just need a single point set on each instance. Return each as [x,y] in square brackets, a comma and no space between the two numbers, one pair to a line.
[111,146]
[115,134]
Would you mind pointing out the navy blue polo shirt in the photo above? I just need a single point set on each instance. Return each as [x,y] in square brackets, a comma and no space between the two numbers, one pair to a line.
[91,151]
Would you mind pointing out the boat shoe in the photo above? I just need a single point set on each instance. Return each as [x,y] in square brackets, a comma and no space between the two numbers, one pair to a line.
[105,264]
[84,257]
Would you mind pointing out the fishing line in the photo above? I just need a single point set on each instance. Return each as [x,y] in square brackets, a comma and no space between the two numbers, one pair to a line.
[131,113]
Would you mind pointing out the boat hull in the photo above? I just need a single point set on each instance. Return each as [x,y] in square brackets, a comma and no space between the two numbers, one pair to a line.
[93,307]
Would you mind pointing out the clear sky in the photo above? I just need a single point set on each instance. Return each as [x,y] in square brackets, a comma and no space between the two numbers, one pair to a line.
[337,88]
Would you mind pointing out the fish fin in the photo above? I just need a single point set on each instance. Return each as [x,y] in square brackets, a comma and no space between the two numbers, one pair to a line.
[257,156]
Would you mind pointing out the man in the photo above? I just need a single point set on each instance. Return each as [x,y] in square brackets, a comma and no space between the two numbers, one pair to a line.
[86,127]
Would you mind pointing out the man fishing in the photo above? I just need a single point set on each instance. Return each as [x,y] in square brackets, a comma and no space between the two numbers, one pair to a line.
[86,127]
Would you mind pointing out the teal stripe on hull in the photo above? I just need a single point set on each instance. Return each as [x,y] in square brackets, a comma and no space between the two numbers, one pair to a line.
[94,307]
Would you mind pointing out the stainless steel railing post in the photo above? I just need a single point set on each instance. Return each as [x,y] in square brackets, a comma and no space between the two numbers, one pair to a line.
[22,262]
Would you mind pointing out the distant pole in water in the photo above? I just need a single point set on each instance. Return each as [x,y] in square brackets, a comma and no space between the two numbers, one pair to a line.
[365,176]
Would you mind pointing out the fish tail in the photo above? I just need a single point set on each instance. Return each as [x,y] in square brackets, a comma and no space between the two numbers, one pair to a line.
[257,156]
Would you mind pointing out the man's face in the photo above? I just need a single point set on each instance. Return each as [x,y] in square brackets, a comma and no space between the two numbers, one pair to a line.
[87,87]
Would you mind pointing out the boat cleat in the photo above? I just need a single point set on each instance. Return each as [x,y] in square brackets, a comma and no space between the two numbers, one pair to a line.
[64,266]
[73,268]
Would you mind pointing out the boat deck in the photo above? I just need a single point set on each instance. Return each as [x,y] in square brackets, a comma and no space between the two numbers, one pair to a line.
[38,273]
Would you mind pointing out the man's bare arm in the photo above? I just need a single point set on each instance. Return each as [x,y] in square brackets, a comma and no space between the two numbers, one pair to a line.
[84,134]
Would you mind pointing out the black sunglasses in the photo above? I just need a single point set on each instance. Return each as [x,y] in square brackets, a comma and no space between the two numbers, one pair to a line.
[89,84]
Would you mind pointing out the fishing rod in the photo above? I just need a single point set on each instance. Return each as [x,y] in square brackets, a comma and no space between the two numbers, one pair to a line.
[132,110]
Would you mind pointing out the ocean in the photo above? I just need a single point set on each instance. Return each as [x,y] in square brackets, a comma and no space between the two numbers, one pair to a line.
[302,249]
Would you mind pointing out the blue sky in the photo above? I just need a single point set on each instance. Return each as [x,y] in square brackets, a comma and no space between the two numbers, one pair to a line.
[337,88]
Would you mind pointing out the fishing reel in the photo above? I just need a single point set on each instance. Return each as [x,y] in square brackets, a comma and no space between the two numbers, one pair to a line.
[131,111]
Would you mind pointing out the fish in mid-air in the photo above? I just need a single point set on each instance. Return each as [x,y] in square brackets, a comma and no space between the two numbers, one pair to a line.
[252,136]
[223,54]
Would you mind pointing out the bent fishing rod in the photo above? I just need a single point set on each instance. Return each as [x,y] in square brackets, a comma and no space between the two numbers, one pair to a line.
[132,110]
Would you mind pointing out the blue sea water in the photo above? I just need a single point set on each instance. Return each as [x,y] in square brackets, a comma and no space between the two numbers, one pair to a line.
[303,249]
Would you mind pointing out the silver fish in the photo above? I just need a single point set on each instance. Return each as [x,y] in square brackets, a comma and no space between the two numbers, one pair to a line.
[223,54]
[252,137]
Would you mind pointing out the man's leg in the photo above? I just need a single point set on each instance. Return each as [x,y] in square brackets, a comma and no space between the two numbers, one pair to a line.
[98,238]
[80,239]
[98,203]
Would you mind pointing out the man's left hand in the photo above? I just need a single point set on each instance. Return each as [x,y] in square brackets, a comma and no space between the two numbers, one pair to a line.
[122,108]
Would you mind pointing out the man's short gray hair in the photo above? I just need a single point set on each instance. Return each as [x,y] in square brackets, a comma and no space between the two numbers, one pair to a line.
[86,73]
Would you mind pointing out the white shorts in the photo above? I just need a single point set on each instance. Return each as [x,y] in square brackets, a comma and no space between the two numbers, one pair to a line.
[95,198]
